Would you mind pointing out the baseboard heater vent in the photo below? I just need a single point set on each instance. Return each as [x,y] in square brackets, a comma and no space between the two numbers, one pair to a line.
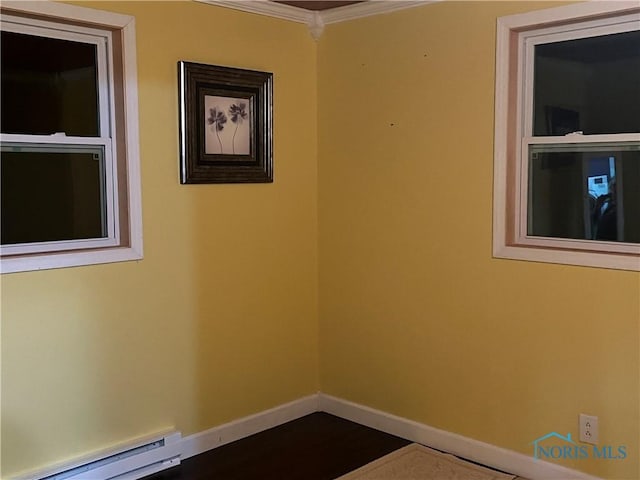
[128,462]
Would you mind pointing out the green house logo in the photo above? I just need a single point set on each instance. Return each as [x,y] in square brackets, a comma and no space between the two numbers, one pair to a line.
[554,446]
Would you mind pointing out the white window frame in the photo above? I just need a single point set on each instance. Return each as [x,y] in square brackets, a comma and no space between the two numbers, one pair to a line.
[118,134]
[64,145]
[516,37]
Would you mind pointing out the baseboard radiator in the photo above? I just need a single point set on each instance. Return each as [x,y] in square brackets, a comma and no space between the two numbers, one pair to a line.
[128,462]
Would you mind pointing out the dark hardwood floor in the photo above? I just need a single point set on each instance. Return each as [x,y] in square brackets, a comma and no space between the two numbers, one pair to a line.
[316,447]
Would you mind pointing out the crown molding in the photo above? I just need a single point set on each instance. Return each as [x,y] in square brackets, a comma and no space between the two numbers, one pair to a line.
[314,19]
[265,7]
[367,9]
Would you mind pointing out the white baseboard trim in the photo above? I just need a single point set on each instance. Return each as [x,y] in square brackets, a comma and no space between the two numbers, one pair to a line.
[244,427]
[474,450]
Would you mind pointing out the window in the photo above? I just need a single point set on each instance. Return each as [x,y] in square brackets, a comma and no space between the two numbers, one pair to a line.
[69,164]
[567,136]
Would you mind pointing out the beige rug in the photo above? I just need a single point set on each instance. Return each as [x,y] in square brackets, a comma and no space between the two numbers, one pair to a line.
[415,462]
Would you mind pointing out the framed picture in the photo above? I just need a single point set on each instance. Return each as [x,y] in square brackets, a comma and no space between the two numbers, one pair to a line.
[226,124]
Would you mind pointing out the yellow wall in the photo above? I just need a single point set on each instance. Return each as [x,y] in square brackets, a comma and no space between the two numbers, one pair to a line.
[220,318]
[416,318]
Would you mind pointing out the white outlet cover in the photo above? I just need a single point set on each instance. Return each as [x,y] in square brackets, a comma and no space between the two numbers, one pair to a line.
[588,428]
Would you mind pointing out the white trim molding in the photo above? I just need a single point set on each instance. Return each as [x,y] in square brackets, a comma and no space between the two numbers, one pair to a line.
[464,447]
[458,445]
[124,135]
[369,8]
[265,7]
[316,20]
[461,446]
[513,135]
[247,426]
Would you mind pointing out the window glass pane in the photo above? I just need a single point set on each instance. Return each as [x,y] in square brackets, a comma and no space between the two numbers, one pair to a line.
[48,85]
[52,193]
[587,192]
[590,85]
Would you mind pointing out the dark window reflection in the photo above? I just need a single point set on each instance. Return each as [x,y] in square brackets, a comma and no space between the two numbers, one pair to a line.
[48,86]
[51,196]
[589,195]
[590,85]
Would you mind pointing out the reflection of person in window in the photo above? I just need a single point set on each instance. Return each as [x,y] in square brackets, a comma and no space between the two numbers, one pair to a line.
[607,228]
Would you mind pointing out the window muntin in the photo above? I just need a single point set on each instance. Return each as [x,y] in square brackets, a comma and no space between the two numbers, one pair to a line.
[579,86]
[532,122]
[59,127]
[56,197]
[116,188]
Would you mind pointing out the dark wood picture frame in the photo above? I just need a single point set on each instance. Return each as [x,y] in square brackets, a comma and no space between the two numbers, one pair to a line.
[226,124]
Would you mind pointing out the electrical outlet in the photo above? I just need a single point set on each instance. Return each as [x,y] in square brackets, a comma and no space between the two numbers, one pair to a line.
[588,428]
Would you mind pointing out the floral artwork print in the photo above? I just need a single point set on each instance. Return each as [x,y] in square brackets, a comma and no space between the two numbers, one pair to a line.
[222,137]
[238,113]
[217,119]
